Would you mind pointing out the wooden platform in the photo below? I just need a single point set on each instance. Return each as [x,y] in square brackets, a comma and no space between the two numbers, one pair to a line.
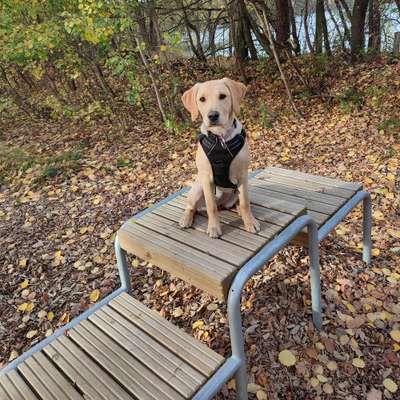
[278,197]
[321,196]
[123,351]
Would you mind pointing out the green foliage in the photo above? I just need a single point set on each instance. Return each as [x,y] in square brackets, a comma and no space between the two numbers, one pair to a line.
[265,116]
[352,99]
[390,125]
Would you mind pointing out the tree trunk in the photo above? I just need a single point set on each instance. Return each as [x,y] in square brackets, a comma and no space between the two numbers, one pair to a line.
[346,8]
[358,27]
[374,27]
[306,31]
[321,29]
[336,26]
[282,23]
[398,5]
[154,29]
[296,45]
[347,35]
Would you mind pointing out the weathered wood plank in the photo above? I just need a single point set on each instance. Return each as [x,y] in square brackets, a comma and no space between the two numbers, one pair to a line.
[314,178]
[195,353]
[230,234]
[299,192]
[92,381]
[309,204]
[158,359]
[13,387]
[191,265]
[308,185]
[133,375]
[217,248]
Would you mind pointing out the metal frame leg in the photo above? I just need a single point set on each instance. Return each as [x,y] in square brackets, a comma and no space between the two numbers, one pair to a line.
[367,228]
[123,269]
[253,266]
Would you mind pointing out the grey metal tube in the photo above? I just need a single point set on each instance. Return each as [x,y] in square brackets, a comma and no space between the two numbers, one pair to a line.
[367,228]
[253,266]
[212,387]
[123,270]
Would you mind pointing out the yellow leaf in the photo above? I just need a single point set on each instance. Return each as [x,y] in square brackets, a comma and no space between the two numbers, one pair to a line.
[396,347]
[358,362]
[395,335]
[13,355]
[261,395]
[163,47]
[24,284]
[177,312]
[287,358]
[375,252]
[49,332]
[94,296]
[30,307]
[50,315]
[322,378]
[198,324]
[395,234]
[390,385]
[378,215]
[42,314]
[23,262]
[22,307]
[31,334]
[314,382]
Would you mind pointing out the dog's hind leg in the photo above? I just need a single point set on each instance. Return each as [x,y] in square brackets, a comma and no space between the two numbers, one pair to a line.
[194,201]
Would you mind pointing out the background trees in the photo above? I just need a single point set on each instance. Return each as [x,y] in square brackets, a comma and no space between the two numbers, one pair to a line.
[67,48]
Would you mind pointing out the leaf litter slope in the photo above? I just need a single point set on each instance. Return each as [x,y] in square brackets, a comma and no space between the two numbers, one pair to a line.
[57,232]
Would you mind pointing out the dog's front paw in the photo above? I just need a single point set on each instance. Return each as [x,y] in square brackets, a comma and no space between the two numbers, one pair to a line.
[186,220]
[251,224]
[214,230]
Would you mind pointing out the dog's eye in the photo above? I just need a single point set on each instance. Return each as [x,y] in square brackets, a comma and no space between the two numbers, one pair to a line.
[222,96]
[202,99]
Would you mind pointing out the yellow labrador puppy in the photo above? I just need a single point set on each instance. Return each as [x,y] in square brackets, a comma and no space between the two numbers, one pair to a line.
[222,157]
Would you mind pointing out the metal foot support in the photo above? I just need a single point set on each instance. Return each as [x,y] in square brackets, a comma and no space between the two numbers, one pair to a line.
[123,270]
[338,217]
[253,266]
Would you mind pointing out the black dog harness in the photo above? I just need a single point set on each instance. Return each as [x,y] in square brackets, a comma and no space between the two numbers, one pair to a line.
[221,154]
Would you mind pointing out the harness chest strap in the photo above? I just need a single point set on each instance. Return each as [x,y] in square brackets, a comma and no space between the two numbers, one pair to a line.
[220,154]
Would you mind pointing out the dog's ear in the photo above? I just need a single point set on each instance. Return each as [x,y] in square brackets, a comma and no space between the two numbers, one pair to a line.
[238,90]
[189,101]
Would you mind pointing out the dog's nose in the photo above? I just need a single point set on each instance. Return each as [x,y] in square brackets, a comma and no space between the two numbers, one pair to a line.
[213,116]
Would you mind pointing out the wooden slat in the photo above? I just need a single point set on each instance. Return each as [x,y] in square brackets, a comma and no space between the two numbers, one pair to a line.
[309,204]
[230,234]
[217,248]
[314,178]
[267,230]
[299,192]
[308,185]
[191,265]
[13,387]
[134,376]
[275,203]
[92,381]
[157,358]
[196,354]
[46,379]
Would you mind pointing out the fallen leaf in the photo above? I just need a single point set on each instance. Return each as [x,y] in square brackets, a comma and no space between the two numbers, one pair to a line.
[327,388]
[198,324]
[24,284]
[94,295]
[395,335]
[177,312]
[287,358]
[390,385]
[50,315]
[253,388]
[23,262]
[31,334]
[261,395]
[332,365]
[13,355]
[358,362]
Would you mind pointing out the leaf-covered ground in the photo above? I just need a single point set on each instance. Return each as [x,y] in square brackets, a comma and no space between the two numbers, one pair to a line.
[67,188]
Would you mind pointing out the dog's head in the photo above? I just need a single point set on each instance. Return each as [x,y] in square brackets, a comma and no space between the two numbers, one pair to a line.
[217,101]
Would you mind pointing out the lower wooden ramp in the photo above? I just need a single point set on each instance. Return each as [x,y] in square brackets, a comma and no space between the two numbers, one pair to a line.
[123,351]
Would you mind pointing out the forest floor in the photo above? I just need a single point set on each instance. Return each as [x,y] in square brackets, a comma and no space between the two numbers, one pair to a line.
[67,188]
